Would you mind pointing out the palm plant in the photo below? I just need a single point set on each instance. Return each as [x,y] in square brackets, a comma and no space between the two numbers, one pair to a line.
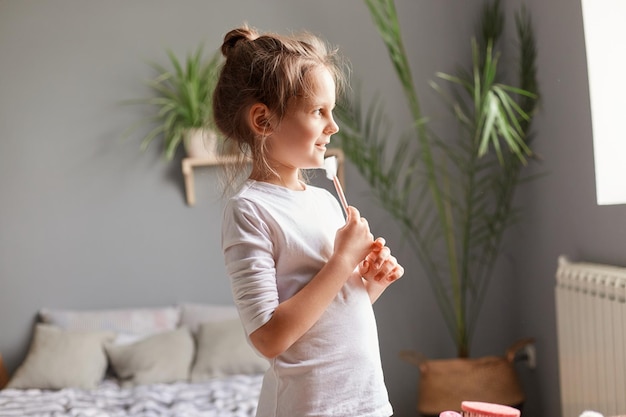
[183,100]
[453,196]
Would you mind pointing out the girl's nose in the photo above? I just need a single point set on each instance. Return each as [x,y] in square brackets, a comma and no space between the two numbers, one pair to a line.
[332,127]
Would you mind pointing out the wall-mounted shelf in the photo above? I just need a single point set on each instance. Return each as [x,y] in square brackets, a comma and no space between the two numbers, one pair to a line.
[189,164]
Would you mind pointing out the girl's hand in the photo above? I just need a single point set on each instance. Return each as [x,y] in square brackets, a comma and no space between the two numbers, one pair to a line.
[354,240]
[379,265]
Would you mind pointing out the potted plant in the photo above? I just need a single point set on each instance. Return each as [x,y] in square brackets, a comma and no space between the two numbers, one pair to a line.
[182,105]
[452,196]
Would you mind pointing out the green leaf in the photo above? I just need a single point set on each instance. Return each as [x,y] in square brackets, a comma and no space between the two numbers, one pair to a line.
[451,196]
[182,98]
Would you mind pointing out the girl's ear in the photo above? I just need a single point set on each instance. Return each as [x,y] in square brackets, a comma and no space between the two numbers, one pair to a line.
[260,117]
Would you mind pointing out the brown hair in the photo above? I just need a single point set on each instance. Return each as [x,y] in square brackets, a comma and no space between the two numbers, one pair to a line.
[267,69]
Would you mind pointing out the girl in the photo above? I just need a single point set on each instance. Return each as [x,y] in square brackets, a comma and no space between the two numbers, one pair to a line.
[303,278]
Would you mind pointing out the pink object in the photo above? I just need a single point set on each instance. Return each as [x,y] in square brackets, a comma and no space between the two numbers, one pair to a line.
[450,414]
[480,409]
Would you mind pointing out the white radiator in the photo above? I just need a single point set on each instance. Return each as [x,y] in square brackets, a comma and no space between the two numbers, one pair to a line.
[591,325]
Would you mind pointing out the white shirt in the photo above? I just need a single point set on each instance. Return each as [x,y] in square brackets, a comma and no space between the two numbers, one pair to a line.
[275,240]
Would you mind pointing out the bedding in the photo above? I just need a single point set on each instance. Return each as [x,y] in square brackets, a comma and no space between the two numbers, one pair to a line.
[231,396]
[191,360]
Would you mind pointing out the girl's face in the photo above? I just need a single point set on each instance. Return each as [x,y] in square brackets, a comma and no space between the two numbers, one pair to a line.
[299,140]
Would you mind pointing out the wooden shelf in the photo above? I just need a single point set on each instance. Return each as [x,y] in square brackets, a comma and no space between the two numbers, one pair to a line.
[4,375]
[188,165]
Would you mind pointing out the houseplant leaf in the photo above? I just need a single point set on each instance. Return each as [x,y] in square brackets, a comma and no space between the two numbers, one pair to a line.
[451,196]
[182,101]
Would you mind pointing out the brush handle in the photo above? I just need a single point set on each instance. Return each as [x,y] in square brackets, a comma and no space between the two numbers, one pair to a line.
[342,197]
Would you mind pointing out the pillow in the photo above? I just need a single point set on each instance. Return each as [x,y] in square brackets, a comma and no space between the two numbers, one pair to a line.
[62,358]
[137,321]
[222,349]
[161,358]
[194,314]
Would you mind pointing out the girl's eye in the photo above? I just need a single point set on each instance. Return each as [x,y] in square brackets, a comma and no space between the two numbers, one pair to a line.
[318,112]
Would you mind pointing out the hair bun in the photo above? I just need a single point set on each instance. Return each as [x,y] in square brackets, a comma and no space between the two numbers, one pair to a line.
[233,37]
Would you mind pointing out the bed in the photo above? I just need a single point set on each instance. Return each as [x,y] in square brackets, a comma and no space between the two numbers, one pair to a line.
[189,360]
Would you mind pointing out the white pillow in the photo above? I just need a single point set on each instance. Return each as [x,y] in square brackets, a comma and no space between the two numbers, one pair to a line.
[194,314]
[135,321]
[62,359]
[161,358]
[222,349]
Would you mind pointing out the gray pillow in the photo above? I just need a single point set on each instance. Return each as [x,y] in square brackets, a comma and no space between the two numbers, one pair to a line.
[134,321]
[193,315]
[222,349]
[161,358]
[62,359]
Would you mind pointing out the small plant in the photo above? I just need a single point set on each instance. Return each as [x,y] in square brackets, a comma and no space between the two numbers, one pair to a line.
[183,100]
[452,196]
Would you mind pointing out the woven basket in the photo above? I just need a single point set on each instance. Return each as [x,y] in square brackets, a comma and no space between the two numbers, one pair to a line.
[445,383]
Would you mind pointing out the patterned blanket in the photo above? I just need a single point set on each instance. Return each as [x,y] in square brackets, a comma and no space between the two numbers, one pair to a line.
[234,396]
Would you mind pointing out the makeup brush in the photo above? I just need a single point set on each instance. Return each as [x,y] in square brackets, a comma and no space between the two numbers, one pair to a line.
[481,409]
[330,165]
[449,414]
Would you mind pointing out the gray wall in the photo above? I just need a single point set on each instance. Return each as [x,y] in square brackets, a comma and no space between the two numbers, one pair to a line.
[88,221]
[562,216]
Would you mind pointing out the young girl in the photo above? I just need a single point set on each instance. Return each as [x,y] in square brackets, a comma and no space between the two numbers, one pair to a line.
[303,278]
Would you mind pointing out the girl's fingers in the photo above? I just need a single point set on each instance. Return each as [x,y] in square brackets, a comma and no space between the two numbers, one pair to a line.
[378,257]
[389,271]
[364,267]
[354,239]
[397,273]
[386,268]
[355,219]
[353,213]
[391,275]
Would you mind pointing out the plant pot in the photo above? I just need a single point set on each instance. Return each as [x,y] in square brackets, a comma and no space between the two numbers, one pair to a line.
[201,143]
[445,383]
